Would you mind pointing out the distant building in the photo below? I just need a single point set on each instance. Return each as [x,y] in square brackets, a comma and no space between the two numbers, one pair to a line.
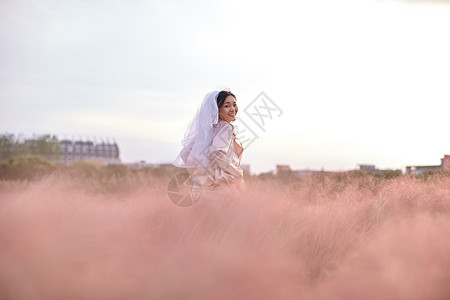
[104,153]
[65,151]
[283,170]
[445,162]
[141,164]
[416,170]
[367,168]
[374,170]
[286,171]
[304,173]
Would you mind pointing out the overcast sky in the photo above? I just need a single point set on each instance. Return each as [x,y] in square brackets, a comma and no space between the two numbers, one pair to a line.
[357,81]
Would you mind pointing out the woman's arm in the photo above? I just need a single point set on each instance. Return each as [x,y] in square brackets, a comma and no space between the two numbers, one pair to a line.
[223,162]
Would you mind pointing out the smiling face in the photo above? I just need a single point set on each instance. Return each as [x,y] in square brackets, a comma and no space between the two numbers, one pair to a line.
[229,109]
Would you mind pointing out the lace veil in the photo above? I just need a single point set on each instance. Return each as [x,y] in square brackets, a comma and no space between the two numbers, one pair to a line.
[198,136]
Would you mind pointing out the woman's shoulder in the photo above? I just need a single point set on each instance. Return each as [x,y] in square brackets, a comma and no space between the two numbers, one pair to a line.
[223,134]
[223,126]
[222,123]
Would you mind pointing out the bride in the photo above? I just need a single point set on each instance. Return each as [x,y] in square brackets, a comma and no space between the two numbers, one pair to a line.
[211,151]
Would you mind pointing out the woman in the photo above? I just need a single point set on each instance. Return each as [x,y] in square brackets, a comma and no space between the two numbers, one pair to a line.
[211,151]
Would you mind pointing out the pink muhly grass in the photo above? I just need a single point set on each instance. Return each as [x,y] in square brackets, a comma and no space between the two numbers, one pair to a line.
[317,238]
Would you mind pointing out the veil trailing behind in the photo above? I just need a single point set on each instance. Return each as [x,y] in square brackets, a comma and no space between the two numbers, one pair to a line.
[199,134]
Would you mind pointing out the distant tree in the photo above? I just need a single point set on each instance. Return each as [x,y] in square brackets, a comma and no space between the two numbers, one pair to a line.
[388,174]
[45,145]
[25,167]
[7,145]
[267,175]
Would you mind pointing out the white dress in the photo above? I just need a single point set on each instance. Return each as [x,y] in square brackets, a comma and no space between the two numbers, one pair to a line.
[223,174]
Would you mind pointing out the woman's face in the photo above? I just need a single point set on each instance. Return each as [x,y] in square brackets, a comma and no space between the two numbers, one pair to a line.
[229,109]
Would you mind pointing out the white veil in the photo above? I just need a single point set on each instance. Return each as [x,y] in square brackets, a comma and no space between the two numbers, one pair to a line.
[198,136]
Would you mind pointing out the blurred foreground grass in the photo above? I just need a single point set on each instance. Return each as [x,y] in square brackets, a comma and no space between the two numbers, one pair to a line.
[110,232]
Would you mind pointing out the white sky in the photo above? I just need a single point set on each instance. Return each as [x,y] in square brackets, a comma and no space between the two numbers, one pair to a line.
[359,81]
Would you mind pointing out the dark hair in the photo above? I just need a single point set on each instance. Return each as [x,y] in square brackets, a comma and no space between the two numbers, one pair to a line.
[222,96]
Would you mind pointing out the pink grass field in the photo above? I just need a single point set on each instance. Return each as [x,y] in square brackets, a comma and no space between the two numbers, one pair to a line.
[318,238]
